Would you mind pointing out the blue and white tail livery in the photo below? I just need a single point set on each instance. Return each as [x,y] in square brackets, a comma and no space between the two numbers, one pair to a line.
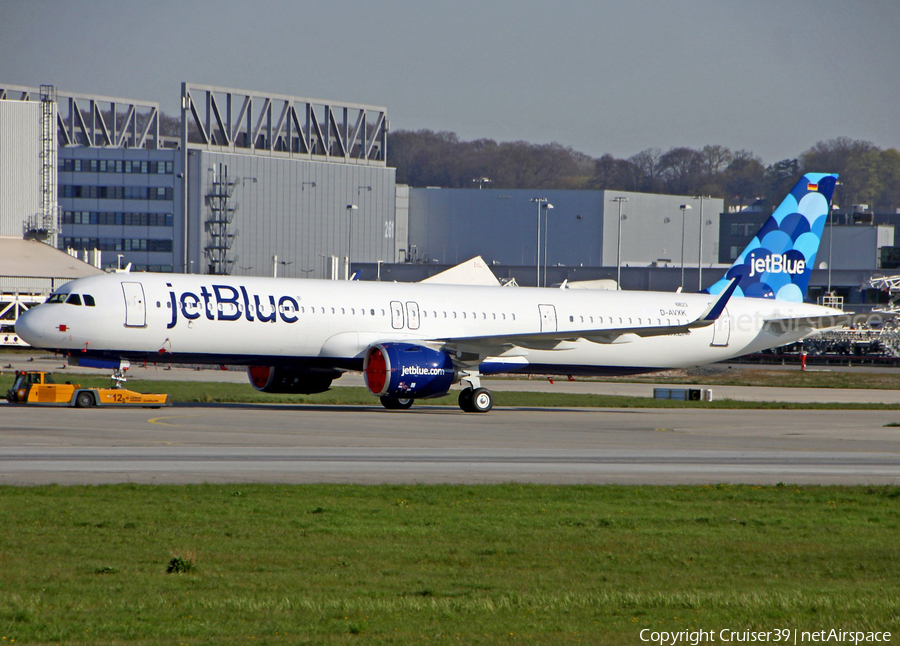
[778,261]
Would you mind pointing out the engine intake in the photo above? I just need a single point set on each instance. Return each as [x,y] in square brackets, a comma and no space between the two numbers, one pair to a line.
[300,381]
[407,371]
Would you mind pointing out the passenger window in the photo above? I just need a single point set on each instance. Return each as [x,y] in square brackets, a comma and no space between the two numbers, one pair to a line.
[372,312]
[571,319]
[89,301]
[74,299]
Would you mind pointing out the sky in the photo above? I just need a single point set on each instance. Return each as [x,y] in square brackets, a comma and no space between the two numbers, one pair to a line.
[772,77]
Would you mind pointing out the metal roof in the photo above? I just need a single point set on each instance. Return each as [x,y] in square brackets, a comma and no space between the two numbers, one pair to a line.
[32,259]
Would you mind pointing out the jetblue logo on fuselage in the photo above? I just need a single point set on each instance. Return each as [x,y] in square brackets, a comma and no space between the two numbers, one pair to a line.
[227,303]
[419,371]
[776,265]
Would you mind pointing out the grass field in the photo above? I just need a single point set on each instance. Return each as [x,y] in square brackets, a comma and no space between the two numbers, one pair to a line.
[814,377]
[459,564]
[205,392]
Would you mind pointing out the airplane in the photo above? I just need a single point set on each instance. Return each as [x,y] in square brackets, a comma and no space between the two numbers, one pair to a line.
[416,340]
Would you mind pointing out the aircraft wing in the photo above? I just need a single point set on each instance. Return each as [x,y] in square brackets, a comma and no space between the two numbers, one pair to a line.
[487,345]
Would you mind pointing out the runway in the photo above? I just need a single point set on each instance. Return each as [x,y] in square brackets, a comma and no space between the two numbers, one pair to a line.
[225,443]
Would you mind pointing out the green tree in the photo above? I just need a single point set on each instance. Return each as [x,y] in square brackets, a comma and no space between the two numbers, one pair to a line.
[745,179]
[681,170]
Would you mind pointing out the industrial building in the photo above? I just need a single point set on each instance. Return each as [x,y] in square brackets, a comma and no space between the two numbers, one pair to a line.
[557,231]
[255,183]
[282,185]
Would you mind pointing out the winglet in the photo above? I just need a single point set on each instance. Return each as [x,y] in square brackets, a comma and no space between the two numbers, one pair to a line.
[715,309]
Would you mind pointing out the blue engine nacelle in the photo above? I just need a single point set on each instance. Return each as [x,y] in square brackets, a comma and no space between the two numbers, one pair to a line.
[407,371]
[281,379]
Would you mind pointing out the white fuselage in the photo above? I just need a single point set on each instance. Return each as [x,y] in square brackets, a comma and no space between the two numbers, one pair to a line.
[218,319]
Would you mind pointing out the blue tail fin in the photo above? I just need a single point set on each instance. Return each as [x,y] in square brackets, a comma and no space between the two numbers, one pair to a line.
[778,261]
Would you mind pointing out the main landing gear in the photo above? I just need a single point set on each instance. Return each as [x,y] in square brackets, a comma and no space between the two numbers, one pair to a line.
[474,398]
[396,403]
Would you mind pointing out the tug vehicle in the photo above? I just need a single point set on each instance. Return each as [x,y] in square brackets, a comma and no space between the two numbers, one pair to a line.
[38,388]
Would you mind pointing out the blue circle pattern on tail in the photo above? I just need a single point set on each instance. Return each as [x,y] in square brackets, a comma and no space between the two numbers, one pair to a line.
[778,261]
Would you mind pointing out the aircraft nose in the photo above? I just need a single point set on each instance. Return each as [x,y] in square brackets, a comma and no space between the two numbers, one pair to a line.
[29,328]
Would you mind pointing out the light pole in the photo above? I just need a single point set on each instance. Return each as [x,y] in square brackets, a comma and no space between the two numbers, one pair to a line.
[541,202]
[834,207]
[683,207]
[619,201]
[700,250]
[481,181]
[547,208]
[350,209]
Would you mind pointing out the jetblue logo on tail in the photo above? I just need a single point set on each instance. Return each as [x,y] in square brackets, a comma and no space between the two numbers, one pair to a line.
[779,260]
[776,265]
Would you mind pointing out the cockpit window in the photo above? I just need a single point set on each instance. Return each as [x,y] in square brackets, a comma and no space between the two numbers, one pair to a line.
[57,298]
[88,300]
[74,299]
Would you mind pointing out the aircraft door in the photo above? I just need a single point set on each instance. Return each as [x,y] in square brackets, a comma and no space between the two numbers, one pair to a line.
[397,315]
[548,318]
[135,305]
[412,315]
[721,330]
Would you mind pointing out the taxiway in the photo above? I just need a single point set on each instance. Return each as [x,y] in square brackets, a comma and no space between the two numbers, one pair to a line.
[299,444]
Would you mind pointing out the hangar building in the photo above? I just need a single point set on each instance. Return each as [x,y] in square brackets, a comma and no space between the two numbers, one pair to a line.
[580,229]
[253,183]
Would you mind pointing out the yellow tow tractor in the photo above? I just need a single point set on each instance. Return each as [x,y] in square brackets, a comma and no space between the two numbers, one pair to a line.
[37,387]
